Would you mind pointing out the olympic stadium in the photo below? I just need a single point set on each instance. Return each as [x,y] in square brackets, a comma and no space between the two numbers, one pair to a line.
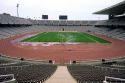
[63,51]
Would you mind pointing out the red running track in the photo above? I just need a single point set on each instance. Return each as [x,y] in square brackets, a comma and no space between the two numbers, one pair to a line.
[62,53]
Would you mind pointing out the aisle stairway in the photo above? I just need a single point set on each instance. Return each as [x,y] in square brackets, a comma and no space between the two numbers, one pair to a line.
[61,76]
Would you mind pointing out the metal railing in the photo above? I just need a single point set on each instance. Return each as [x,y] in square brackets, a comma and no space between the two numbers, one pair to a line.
[113,78]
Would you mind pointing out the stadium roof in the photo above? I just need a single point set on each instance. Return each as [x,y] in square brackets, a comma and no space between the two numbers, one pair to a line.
[113,10]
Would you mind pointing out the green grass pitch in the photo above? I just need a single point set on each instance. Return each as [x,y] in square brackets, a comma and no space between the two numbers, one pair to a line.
[65,37]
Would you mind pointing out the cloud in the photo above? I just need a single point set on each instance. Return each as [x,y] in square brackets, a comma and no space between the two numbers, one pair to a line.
[76,9]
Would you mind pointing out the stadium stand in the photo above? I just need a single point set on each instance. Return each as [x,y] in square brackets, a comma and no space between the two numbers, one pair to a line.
[116,22]
[95,72]
[6,61]
[8,20]
[25,71]
[63,22]
[117,33]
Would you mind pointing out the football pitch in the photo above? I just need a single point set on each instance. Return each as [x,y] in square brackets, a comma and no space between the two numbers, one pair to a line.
[65,37]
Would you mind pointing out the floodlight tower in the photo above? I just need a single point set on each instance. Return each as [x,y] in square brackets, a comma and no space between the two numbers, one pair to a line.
[17,10]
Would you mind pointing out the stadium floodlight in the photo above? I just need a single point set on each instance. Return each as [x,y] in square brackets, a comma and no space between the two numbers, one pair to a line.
[17,10]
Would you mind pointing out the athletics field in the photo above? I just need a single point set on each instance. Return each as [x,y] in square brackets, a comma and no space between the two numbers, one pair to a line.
[65,37]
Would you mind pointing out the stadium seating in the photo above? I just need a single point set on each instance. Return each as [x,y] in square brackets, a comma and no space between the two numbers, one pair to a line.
[115,22]
[95,71]
[26,71]
[11,20]
[8,20]
[94,74]
[117,33]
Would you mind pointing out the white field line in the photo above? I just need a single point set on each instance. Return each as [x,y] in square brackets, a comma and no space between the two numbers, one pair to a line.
[91,39]
[37,36]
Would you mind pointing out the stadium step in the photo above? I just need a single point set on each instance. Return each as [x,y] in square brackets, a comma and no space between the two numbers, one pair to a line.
[61,76]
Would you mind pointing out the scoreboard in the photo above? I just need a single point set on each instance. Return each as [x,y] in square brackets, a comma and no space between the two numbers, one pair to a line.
[63,17]
[44,16]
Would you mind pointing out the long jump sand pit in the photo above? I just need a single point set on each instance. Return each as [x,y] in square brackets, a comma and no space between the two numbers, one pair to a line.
[62,53]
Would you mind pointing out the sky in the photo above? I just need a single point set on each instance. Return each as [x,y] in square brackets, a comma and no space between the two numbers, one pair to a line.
[75,9]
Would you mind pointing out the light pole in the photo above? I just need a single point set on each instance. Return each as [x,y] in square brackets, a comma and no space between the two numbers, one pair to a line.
[17,10]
